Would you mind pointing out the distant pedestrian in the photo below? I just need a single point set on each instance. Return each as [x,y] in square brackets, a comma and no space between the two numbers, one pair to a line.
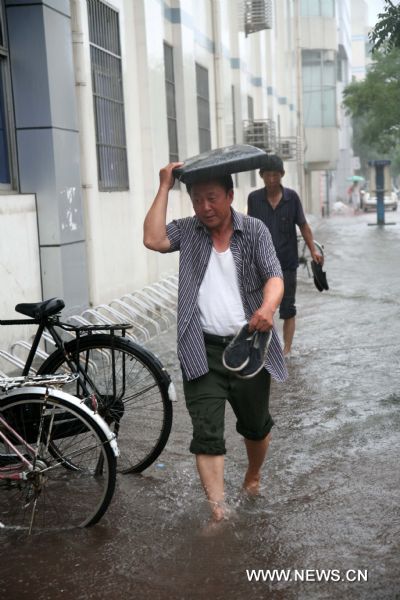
[229,275]
[281,210]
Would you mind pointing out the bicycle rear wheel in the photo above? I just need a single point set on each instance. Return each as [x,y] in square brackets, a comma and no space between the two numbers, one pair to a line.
[53,496]
[134,402]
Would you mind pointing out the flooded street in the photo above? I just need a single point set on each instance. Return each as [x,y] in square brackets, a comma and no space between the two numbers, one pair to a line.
[330,494]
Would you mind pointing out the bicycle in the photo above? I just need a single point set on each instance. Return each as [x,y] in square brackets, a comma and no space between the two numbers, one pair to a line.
[57,457]
[126,384]
[304,257]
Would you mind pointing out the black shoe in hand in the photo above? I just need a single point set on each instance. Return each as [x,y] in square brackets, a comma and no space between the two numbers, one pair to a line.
[258,353]
[237,354]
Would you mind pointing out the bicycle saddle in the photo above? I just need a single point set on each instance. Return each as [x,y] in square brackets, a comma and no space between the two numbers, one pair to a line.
[38,310]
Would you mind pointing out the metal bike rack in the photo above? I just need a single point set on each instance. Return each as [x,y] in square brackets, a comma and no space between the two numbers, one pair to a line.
[133,315]
[119,318]
[15,361]
[151,311]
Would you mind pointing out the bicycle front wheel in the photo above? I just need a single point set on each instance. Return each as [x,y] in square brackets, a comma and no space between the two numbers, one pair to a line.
[51,495]
[131,388]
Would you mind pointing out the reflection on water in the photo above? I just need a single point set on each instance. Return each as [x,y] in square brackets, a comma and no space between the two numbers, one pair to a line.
[330,495]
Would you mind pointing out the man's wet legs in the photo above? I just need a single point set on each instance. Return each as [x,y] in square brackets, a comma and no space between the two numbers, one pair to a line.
[256,453]
[211,471]
[289,326]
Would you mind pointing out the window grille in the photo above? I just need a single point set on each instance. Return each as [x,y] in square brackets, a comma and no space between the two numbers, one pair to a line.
[203,108]
[108,100]
[257,15]
[171,104]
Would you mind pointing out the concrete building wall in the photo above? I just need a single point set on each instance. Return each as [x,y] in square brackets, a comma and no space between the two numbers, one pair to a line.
[340,180]
[47,140]
[359,38]
[19,261]
[328,152]
[97,235]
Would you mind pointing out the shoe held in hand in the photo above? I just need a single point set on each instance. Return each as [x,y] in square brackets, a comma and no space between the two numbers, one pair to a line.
[319,275]
[258,353]
[237,354]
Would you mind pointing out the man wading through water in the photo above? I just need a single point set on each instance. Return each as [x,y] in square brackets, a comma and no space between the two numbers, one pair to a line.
[281,210]
[229,275]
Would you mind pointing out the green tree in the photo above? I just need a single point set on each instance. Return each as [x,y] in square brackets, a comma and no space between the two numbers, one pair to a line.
[386,33]
[374,104]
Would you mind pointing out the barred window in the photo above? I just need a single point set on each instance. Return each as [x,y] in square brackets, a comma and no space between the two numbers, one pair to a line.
[171,104]
[203,108]
[108,100]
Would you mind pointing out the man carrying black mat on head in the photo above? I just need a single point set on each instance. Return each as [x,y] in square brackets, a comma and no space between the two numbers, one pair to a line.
[281,210]
[229,276]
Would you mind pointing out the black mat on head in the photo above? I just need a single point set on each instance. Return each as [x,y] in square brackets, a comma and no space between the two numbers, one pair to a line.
[220,162]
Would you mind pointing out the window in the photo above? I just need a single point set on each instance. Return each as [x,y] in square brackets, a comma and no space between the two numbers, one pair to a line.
[318,8]
[203,108]
[342,65]
[108,100]
[171,104]
[7,146]
[319,88]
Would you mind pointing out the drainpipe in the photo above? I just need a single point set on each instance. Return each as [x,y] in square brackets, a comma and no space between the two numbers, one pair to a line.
[299,93]
[82,75]
[218,70]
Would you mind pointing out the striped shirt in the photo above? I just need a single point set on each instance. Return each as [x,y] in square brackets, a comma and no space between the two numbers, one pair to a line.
[255,261]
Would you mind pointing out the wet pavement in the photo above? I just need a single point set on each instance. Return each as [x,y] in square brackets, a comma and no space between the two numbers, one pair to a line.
[330,495]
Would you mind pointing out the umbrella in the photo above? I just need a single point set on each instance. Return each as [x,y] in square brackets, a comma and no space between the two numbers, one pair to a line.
[356,178]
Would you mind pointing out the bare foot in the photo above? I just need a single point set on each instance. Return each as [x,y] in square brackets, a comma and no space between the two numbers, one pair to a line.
[220,516]
[251,484]
[218,510]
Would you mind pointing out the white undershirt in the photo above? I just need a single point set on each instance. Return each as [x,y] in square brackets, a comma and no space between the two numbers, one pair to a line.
[219,301]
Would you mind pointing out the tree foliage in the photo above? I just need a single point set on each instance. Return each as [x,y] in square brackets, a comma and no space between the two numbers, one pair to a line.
[374,104]
[386,33]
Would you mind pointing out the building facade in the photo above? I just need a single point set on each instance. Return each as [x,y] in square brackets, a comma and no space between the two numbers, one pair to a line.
[97,96]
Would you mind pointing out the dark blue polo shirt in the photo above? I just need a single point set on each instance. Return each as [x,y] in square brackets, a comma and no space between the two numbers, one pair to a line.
[281,222]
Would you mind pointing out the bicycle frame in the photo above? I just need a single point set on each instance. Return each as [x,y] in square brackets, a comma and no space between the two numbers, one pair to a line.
[49,323]
[7,471]
[42,325]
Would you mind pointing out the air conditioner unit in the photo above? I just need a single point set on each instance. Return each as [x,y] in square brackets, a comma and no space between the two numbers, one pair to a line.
[257,15]
[260,134]
[287,148]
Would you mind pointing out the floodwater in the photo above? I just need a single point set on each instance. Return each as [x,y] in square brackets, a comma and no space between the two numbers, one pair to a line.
[330,496]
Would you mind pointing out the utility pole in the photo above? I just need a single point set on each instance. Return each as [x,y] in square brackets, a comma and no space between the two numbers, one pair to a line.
[379,189]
